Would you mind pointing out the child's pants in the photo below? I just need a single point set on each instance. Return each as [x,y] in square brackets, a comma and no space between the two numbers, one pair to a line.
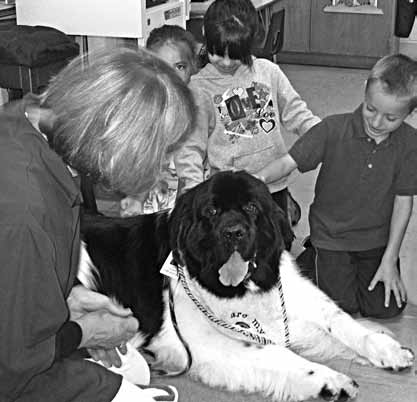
[345,276]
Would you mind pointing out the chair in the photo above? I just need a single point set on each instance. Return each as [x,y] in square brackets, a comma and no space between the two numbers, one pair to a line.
[274,38]
[30,56]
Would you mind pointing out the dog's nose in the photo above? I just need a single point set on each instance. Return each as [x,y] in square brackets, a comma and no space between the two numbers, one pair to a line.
[234,233]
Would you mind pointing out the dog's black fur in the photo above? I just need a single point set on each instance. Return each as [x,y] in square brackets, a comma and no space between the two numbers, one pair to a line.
[128,254]
[231,211]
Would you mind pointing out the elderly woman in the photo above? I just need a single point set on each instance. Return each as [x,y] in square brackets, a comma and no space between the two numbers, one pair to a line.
[115,118]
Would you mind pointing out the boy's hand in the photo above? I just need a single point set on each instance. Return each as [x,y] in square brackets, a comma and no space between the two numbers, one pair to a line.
[277,169]
[388,274]
[131,206]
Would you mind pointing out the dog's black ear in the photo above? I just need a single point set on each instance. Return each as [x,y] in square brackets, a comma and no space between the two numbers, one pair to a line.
[283,223]
[180,221]
[287,232]
[277,217]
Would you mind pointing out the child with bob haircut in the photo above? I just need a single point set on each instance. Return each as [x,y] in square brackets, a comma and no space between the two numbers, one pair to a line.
[178,48]
[364,191]
[251,99]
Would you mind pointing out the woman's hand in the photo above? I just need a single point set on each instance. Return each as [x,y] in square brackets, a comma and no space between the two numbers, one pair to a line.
[104,330]
[82,300]
[104,323]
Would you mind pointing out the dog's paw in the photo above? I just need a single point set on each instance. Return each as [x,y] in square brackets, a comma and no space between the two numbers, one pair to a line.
[385,352]
[168,360]
[322,382]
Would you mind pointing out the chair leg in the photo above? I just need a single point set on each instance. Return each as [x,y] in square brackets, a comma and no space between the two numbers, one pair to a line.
[26,79]
[14,94]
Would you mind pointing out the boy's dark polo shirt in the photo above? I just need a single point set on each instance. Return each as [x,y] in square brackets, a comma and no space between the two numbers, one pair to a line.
[357,182]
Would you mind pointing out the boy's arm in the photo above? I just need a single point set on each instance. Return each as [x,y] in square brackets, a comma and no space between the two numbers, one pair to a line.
[191,157]
[387,271]
[305,154]
[277,169]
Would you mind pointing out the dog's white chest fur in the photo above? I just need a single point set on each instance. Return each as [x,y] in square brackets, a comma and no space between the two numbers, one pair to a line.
[256,312]
[318,328]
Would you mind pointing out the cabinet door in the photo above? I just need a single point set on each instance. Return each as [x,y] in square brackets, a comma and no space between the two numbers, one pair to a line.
[352,34]
[297,25]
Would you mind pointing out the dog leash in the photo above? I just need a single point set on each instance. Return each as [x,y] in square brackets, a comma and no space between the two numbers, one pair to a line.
[182,340]
[284,313]
[252,337]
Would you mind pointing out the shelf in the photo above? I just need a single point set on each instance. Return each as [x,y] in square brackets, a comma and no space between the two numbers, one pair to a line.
[341,8]
[6,7]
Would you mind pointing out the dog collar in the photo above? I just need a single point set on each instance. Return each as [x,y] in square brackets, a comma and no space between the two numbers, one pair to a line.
[177,271]
[228,328]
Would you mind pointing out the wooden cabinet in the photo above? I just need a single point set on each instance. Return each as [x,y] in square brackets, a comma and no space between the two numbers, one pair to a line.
[297,25]
[315,35]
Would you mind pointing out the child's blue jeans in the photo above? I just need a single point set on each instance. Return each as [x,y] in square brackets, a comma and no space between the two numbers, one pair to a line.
[345,277]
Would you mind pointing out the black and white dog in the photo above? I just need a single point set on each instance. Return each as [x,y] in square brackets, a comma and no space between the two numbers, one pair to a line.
[243,313]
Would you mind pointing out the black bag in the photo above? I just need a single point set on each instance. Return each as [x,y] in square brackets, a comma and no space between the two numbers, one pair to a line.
[404,18]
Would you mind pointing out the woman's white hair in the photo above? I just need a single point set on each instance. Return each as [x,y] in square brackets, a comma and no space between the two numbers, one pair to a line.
[118,114]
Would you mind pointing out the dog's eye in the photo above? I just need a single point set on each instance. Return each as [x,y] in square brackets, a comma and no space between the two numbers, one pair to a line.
[250,208]
[210,211]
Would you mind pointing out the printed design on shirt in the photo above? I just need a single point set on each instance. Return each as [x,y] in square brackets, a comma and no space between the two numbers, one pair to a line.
[246,321]
[246,112]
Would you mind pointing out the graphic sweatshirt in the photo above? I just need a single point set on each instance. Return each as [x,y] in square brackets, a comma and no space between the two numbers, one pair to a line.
[240,126]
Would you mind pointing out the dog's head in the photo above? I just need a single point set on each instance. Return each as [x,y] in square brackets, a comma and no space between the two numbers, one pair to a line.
[228,231]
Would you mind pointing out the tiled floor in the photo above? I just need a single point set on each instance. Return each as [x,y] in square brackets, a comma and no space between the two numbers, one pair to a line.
[375,385]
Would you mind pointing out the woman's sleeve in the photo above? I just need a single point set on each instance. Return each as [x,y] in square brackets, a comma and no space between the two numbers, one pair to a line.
[67,339]
[32,305]
[32,311]
[190,159]
[294,113]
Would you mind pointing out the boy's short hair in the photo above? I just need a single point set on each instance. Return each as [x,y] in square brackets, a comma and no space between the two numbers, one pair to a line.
[231,25]
[173,34]
[117,116]
[398,75]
